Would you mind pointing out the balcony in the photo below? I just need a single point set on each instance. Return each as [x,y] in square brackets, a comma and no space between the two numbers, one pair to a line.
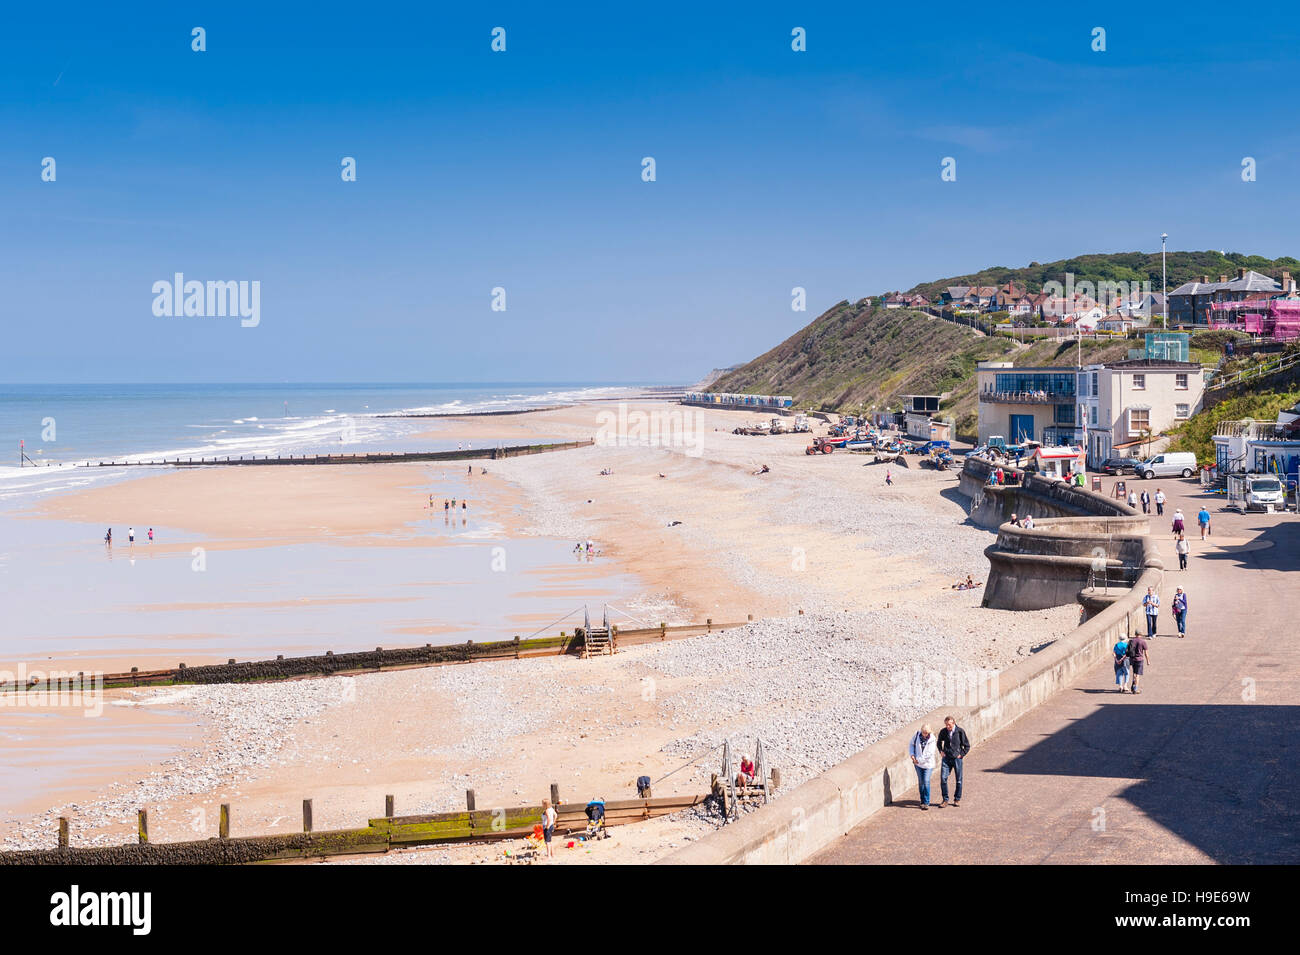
[1027,397]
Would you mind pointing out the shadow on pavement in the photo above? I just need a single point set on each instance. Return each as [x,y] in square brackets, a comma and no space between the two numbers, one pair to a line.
[1222,778]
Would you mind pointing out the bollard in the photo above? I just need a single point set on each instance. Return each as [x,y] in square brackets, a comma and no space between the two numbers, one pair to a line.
[306,815]
[469,799]
[223,826]
[63,832]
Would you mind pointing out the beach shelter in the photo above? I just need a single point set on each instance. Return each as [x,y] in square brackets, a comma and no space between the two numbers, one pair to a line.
[1056,461]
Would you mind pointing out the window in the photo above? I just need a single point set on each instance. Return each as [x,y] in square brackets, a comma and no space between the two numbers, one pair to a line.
[1180,382]
[1139,420]
[1182,411]
[1094,382]
[1139,382]
[1094,415]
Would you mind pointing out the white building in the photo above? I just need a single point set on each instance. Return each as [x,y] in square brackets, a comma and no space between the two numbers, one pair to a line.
[1109,409]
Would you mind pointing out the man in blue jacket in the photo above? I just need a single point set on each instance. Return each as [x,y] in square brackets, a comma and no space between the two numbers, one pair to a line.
[954,744]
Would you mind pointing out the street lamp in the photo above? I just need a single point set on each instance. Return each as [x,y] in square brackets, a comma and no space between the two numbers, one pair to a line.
[1164,281]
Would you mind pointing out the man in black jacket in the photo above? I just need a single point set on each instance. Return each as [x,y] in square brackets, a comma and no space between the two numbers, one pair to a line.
[954,744]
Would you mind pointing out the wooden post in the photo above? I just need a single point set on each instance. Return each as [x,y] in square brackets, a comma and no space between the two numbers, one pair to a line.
[223,826]
[306,815]
[776,779]
[388,807]
[709,624]
[555,794]
[63,832]
[749,618]
[469,799]
[142,826]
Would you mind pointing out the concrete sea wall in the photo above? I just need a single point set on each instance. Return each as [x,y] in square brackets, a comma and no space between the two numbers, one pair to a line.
[811,817]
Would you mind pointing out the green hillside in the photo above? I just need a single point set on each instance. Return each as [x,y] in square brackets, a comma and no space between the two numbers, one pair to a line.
[1120,267]
[856,357]
[1197,433]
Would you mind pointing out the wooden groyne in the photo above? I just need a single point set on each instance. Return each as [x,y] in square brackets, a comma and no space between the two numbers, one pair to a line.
[367,661]
[379,834]
[377,457]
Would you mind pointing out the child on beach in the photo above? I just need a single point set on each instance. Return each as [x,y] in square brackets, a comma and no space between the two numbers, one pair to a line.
[889,477]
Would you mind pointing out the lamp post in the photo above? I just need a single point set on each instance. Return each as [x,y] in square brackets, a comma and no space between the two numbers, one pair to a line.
[1164,282]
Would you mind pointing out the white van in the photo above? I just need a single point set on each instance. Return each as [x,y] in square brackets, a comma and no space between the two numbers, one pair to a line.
[1169,464]
[1263,491]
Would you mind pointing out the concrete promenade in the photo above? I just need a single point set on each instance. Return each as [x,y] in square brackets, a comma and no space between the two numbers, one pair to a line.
[1202,767]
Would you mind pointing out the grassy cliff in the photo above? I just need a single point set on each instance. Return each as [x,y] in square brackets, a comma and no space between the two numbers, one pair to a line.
[855,357]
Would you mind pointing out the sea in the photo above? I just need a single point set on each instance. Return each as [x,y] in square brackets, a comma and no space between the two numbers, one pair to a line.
[60,427]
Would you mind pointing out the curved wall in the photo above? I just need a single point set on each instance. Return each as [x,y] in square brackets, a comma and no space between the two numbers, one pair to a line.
[1079,538]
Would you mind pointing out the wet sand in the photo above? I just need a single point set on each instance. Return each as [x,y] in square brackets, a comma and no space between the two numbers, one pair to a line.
[708,539]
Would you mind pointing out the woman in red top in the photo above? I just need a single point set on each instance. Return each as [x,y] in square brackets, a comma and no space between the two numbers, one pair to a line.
[746,776]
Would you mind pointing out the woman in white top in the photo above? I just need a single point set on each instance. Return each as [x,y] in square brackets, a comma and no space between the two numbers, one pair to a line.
[922,749]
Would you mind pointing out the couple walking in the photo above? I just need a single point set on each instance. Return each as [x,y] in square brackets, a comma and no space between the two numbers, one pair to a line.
[1151,606]
[952,744]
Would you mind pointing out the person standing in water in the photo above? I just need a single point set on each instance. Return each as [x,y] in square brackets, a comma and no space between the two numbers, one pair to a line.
[151,535]
[130,535]
[108,538]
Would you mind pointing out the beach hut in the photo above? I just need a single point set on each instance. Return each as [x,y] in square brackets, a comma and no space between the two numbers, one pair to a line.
[1056,461]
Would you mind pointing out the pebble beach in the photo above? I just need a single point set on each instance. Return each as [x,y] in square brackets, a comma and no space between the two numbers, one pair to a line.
[849,584]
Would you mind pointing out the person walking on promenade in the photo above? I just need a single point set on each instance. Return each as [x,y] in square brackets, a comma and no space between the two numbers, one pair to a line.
[1120,650]
[1151,604]
[1139,653]
[1178,521]
[1001,476]
[1160,502]
[954,744]
[1203,518]
[1146,502]
[922,750]
[1180,611]
[1182,548]
[548,826]
[1133,499]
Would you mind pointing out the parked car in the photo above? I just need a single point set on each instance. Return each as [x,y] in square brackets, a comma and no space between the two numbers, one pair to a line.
[1169,464]
[1119,466]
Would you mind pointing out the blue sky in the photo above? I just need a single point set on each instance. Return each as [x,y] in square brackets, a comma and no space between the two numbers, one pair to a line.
[522,170]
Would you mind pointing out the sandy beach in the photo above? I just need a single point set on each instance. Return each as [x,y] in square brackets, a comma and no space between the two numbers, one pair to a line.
[688,529]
